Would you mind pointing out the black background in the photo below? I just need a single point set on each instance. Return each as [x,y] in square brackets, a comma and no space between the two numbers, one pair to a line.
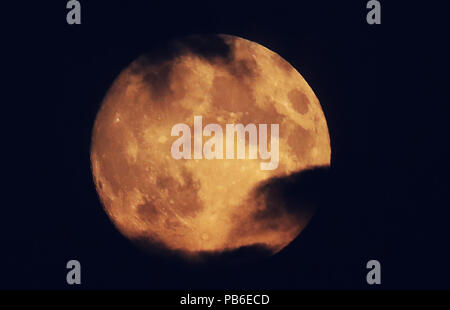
[382,89]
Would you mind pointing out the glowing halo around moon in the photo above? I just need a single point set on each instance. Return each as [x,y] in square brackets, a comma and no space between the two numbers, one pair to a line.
[204,206]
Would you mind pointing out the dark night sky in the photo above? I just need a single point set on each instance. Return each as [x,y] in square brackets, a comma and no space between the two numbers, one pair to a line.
[382,89]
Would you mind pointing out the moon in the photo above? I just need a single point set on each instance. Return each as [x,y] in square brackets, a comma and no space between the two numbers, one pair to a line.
[204,205]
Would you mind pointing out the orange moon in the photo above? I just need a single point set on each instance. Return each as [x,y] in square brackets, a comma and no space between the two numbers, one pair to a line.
[204,205]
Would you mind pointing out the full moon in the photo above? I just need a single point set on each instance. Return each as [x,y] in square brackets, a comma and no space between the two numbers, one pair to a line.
[204,205]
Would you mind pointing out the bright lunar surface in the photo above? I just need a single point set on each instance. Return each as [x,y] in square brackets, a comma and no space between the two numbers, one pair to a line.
[204,205]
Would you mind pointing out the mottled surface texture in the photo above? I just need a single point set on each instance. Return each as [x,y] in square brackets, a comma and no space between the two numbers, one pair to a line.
[204,205]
